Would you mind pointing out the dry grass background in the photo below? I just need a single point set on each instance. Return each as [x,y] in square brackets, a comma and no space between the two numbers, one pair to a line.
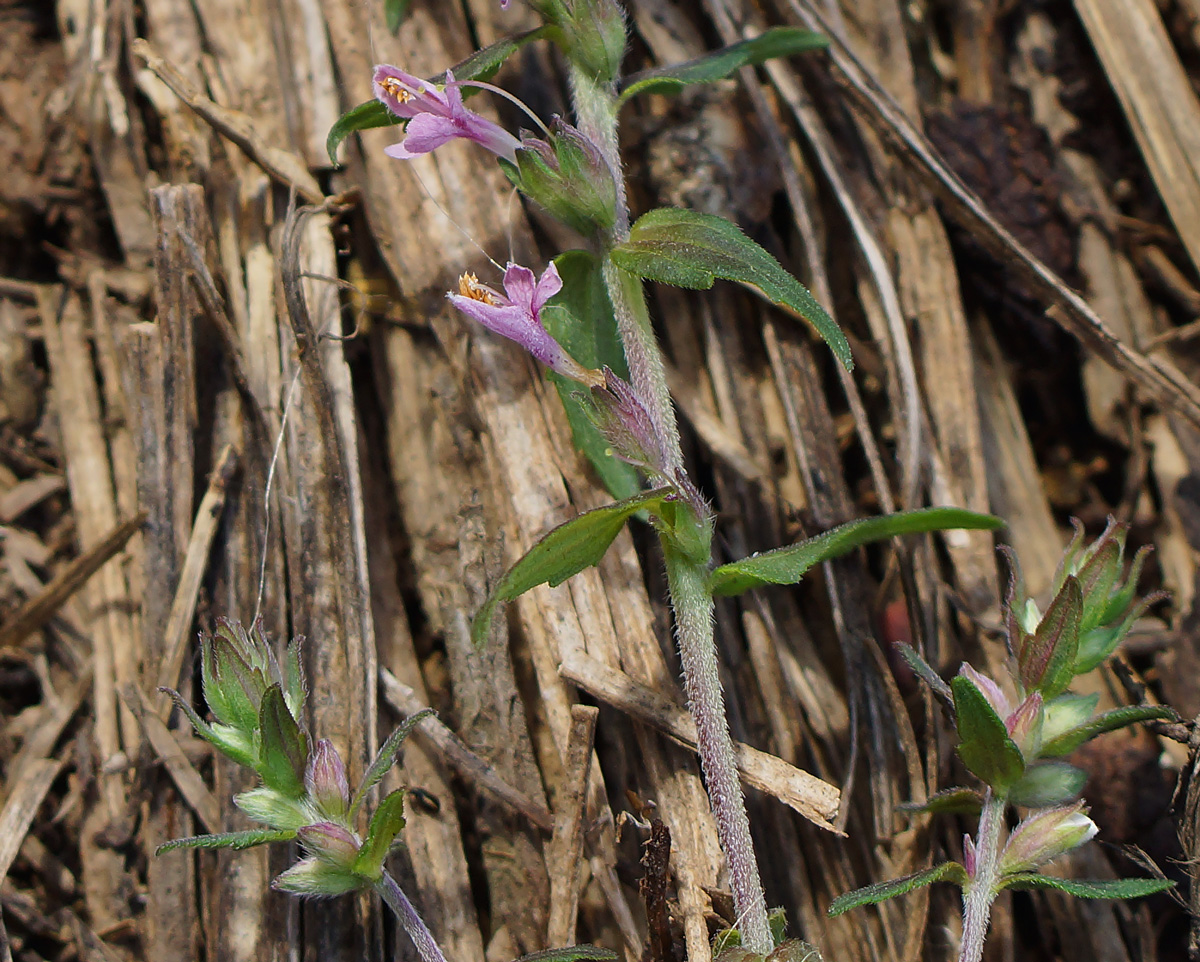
[999,201]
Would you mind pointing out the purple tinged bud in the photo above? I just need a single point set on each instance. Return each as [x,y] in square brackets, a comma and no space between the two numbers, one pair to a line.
[567,175]
[333,844]
[436,115]
[990,690]
[325,780]
[621,418]
[311,877]
[516,314]
[1025,726]
[1045,835]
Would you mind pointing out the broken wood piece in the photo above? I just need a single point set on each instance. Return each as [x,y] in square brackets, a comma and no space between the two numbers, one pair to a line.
[455,752]
[36,612]
[16,501]
[24,797]
[191,786]
[183,608]
[812,797]
[565,856]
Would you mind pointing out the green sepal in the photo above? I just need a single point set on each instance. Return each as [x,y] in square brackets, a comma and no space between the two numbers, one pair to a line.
[580,318]
[689,534]
[1108,721]
[394,12]
[234,840]
[882,891]
[218,704]
[238,683]
[949,801]
[776,42]
[295,687]
[689,249]
[1046,660]
[786,566]
[567,550]
[1119,888]
[1048,784]
[386,757]
[239,751]
[271,807]
[777,922]
[386,824]
[984,744]
[571,953]
[283,747]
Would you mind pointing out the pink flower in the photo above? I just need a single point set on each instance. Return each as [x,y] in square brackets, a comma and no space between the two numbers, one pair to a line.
[436,115]
[516,314]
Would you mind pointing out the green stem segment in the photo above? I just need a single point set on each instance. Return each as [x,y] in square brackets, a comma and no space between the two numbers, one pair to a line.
[981,890]
[691,597]
[414,925]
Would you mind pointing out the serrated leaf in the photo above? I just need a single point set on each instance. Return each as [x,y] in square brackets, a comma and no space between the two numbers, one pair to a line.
[580,318]
[1108,721]
[1121,888]
[387,757]
[786,566]
[1048,784]
[776,42]
[283,749]
[234,840]
[690,249]
[394,12]
[882,891]
[567,550]
[984,745]
[949,801]
[572,953]
[386,824]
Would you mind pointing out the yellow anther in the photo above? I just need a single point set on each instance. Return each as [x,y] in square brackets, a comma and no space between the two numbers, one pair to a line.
[394,87]
[469,286]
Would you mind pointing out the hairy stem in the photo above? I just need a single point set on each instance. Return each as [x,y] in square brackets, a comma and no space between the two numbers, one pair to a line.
[413,924]
[693,605]
[981,892]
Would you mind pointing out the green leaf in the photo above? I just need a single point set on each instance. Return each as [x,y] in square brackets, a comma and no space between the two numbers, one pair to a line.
[483,64]
[882,891]
[689,249]
[1048,784]
[1109,721]
[786,566]
[984,745]
[1120,888]
[283,749]
[394,12]
[234,840]
[1046,659]
[949,801]
[923,670]
[387,757]
[580,318]
[366,116]
[386,824]
[776,42]
[567,550]
[237,752]
[572,953]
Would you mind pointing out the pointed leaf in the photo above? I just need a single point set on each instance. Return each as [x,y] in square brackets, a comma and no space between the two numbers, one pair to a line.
[283,749]
[386,824]
[239,753]
[580,318]
[295,687]
[567,550]
[387,757]
[1120,888]
[984,747]
[776,42]
[238,683]
[882,891]
[1107,722]
[366,116]
[1047,658]
[949,801]
[786,566]
[234,840]
[217,702]
[923,670]
[690,249]
[572,953]
[483,64]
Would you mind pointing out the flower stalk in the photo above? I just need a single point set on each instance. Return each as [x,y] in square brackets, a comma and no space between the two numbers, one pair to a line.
[410,918]
[980,892]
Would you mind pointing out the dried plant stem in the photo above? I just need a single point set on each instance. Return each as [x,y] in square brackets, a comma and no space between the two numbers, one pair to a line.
[413,924]
[691,599]
[978,898]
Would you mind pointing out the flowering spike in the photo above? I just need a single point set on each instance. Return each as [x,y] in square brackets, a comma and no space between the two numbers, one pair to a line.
[436,115]
[516,314]
[622,420]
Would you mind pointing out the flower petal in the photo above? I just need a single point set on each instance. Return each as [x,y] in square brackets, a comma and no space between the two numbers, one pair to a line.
[549,284]
[425,132]
[520,287]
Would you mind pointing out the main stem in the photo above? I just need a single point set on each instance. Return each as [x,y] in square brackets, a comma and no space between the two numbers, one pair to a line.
[691,599]
[978,898]
[414,925]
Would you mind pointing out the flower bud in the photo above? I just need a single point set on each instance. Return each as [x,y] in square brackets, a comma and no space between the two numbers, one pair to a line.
[273,808]
[313,877]
[1045,835]
[595,34]
[331,843]
[622,420]
[325,780]
[568,176]
[1025,726]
